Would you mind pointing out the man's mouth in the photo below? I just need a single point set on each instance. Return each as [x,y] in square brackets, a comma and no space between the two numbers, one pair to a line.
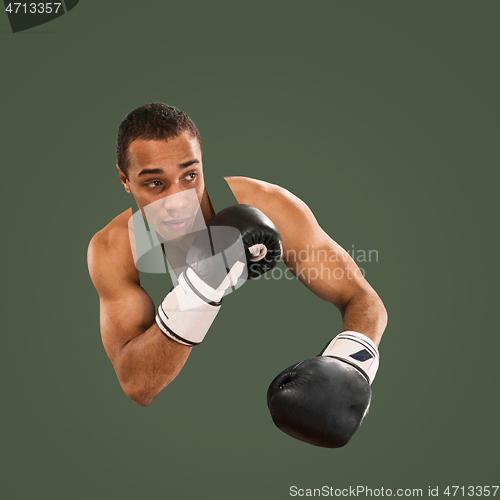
[177,223]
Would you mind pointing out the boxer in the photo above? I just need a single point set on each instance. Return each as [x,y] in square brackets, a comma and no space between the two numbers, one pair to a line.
[159,160]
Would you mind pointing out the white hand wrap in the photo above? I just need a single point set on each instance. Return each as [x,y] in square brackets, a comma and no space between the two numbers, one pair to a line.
[356,349]
[189,309]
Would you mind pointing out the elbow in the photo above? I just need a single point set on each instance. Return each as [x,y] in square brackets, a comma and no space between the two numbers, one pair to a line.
[382,311]
[135,384]
[143,396]
[141,399]
[377,308]
[379,313]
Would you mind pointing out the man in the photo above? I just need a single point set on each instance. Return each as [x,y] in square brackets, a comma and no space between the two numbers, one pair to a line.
[160,158]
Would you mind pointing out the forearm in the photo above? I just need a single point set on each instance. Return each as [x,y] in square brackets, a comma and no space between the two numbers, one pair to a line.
[148,363]
[365,313]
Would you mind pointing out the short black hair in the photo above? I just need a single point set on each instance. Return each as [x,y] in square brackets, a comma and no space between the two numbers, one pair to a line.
[155,121]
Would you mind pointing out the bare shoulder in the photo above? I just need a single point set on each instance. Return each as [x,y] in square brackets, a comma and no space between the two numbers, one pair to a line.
[245,188]
[288,212]
[112,239]
[109,255]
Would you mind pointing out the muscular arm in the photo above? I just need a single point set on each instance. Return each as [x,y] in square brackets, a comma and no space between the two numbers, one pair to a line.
[317,261]
[145,361]
[330,273]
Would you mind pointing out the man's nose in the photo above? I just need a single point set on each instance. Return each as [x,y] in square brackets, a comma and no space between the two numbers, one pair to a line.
[175,200]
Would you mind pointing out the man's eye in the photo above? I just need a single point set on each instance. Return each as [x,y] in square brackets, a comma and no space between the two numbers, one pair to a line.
[153,184]
[191,176]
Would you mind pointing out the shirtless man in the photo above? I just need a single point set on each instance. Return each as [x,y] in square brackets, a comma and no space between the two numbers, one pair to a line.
[159,156]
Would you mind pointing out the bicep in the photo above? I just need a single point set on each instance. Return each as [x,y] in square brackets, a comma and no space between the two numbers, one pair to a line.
[320,263]
[124,315]
[326,269]
[126,310]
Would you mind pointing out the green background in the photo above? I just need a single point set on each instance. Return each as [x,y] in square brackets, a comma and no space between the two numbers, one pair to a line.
[381,115]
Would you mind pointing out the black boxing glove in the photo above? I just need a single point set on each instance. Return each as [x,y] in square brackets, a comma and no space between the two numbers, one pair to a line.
[261,239]
[239,242]
[323,400]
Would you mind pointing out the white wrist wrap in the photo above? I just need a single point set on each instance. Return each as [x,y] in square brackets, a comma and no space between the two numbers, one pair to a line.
[189,309]
[356,349]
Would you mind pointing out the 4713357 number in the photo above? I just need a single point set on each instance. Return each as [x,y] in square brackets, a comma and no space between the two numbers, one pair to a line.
[33,8]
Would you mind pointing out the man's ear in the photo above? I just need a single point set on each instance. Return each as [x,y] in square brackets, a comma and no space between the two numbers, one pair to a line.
[124,180]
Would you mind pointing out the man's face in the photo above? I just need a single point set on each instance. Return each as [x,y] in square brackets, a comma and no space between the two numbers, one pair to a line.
[166,180]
